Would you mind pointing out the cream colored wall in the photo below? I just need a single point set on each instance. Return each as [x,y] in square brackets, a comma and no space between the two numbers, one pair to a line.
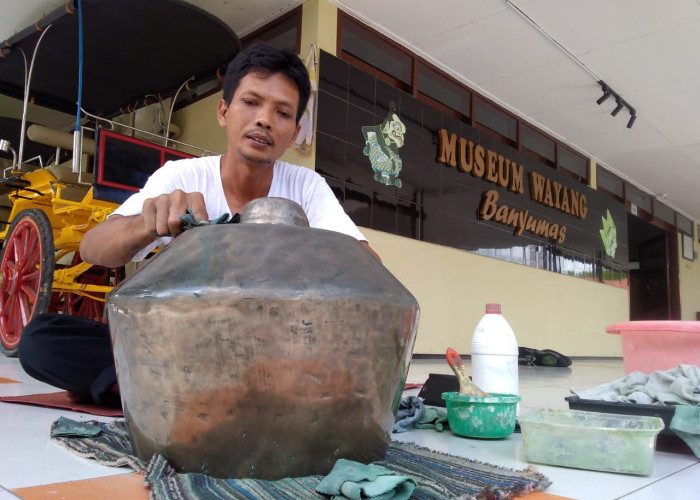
[200,127]
[545,309]
[689,272]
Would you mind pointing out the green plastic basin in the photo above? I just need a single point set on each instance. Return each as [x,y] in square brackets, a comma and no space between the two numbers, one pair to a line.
[481,417]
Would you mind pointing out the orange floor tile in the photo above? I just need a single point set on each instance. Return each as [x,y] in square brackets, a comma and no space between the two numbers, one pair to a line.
[126,486]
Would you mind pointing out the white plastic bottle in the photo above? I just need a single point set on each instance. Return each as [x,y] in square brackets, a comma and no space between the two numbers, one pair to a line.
[494,353]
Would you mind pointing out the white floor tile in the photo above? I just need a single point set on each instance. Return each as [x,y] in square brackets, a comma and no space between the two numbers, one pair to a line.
[682,485]
[6,495]
[33,459]
[30,458]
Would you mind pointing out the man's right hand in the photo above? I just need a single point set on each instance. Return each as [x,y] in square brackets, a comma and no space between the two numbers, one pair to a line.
[114,242]
[161,215]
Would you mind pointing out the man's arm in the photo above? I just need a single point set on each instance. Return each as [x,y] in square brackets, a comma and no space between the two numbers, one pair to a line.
[114,242]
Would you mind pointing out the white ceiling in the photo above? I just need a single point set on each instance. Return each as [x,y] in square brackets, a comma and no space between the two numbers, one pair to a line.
[544,69]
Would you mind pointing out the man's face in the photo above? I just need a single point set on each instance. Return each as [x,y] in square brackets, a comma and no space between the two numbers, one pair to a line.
[260,121]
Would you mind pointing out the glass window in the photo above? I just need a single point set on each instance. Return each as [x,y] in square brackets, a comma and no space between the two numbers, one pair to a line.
[443,90]
[366,45]
[574,162]
[537,143]
[609,182]
[638,197]
[490,116]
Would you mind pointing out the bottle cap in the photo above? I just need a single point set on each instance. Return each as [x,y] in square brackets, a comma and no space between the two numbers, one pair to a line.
[493,308]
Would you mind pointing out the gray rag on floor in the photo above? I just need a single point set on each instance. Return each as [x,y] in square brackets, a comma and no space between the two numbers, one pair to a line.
[677,386]
[411,410]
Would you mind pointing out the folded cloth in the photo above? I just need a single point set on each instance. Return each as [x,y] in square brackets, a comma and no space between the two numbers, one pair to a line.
[433,418]
[677,386]
[410,412]
[66,427]
[355,481]
[686,424]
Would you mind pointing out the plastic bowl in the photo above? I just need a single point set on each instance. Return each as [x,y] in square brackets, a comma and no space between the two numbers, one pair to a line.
[481,417]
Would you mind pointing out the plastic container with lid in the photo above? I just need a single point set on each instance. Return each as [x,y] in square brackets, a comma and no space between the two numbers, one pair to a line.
[494,353]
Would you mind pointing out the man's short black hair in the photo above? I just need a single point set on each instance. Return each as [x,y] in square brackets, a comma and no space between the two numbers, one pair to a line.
[261,57]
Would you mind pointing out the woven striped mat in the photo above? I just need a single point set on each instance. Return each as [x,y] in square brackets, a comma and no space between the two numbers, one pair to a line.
[439,476]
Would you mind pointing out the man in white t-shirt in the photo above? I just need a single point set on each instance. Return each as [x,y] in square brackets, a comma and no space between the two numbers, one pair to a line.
[264,95]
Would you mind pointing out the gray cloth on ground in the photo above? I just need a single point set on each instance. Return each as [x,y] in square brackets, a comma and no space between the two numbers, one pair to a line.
[411,410]
[677,386]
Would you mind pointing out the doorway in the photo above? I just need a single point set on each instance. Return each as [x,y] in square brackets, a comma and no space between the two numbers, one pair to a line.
[653,289]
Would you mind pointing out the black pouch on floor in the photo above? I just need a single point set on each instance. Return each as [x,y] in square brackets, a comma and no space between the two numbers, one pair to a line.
[437,383]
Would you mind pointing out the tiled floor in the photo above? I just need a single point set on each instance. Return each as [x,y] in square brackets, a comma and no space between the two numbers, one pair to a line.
[33,468]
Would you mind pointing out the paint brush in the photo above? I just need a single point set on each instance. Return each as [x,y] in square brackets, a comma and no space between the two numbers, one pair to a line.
[466,386]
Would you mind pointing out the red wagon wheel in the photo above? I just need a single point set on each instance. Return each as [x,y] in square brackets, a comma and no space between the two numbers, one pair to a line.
[87,307]
[27,264]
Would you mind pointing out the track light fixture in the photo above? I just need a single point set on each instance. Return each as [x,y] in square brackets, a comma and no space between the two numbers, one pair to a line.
[620,102]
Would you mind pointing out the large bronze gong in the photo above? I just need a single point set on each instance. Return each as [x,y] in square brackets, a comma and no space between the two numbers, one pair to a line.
[262,349]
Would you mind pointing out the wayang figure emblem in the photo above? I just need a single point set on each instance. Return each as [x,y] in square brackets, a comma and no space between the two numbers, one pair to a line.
[382,143]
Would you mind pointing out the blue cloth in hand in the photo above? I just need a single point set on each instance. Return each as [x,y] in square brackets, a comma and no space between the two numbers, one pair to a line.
[355,481]
[189,222]
[410,412]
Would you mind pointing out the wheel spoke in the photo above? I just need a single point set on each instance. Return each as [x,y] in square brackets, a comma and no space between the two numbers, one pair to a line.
[25,309]
[21,243]
[11,250]
[7,306]
[13,314]
[31,279]
[17,320]
[30,292]
[31,257]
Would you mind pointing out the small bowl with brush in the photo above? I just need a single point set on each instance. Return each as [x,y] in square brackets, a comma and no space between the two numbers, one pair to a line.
[472,412]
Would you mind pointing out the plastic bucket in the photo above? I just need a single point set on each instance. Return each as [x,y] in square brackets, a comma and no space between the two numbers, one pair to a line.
[481,417]
[650,346]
